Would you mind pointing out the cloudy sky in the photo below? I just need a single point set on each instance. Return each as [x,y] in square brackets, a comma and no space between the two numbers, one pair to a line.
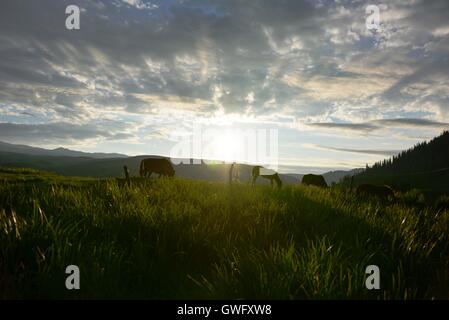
[140,75]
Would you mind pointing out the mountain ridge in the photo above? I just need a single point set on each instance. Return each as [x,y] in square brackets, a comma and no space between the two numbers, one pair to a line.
[60,151]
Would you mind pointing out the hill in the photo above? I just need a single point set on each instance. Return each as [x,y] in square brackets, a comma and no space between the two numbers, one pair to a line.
[331,176]
[337,175]
[113,167]
[425,166]
[76,163]
[28,150]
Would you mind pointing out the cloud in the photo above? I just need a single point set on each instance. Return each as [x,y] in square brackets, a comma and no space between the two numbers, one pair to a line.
[139,4]
[408,122]
[362,151]
[314,61]
[185,49]
[190,48]
[380,124]
[57,132]
[363,127]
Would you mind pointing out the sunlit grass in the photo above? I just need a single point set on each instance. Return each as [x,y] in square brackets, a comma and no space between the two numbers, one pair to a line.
[175,238]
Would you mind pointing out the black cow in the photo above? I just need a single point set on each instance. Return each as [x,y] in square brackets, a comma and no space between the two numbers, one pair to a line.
[373,190]
[161,166]
[314,180]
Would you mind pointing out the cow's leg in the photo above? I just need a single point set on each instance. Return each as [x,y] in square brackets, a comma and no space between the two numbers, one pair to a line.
[271,182]
[254,180]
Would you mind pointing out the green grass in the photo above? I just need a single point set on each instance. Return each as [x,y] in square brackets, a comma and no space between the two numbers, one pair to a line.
[175,238]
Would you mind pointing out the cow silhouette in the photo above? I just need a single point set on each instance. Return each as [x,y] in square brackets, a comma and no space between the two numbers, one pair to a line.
[384,192]
[314,180]
[267,174]
[161,166]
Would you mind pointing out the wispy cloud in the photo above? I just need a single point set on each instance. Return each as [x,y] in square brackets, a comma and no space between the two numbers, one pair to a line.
[362,151]
[58,132]
[364,127]
[380,124]
[409,122]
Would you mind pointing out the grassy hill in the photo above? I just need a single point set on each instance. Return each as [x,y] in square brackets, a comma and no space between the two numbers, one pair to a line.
[178,238]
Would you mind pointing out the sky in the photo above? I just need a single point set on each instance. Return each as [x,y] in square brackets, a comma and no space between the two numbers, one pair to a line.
[313,81]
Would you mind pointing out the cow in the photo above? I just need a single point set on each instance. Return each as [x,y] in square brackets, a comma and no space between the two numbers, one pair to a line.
[161,166]
[372,190]
[314,180]
[267,174]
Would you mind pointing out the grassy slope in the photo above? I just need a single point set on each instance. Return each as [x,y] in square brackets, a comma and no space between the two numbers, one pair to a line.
[175,238]
[433,182]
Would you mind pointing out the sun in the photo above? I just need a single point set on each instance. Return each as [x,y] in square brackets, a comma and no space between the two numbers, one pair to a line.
[227,147]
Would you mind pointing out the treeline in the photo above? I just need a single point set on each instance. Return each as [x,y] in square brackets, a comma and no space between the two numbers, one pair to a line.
[424,166]
[423,157]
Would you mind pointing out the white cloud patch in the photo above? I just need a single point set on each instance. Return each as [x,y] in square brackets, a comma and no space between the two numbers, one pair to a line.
[140,4]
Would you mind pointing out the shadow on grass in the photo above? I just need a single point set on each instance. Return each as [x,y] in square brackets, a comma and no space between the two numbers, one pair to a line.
[173,239]
[404,274]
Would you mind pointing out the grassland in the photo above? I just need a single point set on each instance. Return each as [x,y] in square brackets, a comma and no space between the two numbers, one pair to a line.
[176,238]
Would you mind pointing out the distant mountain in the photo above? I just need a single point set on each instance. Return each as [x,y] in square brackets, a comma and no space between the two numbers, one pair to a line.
[337,175]
[297,176]
[23,149]
[331,176]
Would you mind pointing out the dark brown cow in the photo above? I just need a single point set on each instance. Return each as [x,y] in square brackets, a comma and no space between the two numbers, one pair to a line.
[161,166]
[314,180]
[273,177]
[373,190]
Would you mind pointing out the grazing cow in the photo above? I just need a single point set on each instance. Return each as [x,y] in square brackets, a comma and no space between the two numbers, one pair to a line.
[267,174]
[314,180]
[157,165]
[373,190]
